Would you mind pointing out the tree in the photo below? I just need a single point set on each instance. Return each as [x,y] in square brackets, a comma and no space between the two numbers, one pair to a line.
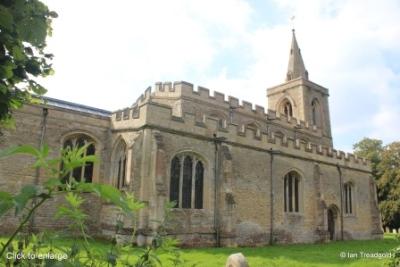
[24,26]
[385,164]
[389,185]
[370,149]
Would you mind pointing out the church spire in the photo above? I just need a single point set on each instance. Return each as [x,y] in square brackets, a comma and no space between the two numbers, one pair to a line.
[296,66]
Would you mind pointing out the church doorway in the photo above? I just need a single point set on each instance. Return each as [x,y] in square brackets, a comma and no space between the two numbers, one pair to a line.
[332,216]
[331,224]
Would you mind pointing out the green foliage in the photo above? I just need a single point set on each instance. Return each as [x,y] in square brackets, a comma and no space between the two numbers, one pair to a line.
[385,163]
[24,26]
[389,185]
[31,197]
[296,255]
[395,262]
[72,211]
[370,149]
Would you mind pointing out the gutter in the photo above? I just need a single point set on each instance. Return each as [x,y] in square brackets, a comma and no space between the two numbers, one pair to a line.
[45,112]
[271,193]
[341,200]
[217,142]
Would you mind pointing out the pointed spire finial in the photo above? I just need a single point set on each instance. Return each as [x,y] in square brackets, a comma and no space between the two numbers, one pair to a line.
[296,66]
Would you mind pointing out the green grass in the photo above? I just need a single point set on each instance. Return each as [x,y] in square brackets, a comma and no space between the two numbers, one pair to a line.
[297,255]
[306,255]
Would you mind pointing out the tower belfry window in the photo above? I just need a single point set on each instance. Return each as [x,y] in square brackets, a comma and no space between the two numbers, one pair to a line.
[287,109]
[315,112]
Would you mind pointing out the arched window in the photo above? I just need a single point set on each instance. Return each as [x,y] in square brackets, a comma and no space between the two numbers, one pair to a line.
[286,108]
[291,192]
[186,184]
[348,198]
[175,177]
[83,173]
[119,165]
[315,112]
[198,197]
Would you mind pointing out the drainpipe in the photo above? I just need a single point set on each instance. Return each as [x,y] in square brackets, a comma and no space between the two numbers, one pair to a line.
[271,194]
[45,112]
[341,199]
[217,142]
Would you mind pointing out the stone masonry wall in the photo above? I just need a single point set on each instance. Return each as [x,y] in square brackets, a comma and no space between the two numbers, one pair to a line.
[16,171]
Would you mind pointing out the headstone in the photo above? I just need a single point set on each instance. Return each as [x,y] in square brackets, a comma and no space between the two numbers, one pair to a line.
[394,231]
[236,260]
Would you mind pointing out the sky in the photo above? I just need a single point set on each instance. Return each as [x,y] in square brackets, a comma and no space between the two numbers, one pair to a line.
[108,52]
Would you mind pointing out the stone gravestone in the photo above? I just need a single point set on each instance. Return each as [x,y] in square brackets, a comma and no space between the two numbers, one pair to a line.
[236,260]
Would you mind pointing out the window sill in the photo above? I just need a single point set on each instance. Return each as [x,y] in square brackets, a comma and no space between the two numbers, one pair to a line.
[187,209]
[293,214]
[123,189]
[349,216]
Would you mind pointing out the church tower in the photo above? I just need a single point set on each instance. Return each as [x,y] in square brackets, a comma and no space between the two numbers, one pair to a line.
[300,98]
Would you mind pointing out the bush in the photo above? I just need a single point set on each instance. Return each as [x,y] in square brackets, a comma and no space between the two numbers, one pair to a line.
[25,245]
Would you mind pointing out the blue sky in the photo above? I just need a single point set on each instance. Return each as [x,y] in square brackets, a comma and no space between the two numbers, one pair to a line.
[107,54]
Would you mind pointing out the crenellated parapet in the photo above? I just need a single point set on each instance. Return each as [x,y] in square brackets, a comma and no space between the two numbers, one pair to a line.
[132,112]
[146,112]
[185,90]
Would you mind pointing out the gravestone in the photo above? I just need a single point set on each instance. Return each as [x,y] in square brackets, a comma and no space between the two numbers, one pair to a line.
[236,260]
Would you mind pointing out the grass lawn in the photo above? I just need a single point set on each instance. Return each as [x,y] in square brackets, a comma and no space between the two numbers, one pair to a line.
[285,255]
[297,255]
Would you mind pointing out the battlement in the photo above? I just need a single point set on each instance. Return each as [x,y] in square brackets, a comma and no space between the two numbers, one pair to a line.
[251,135]
[186,90]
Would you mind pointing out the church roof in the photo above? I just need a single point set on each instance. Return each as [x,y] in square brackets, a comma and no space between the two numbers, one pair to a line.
[74,106]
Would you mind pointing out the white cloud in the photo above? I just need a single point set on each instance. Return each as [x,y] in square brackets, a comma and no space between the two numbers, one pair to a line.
[107,54]
[386,124]
[344,45]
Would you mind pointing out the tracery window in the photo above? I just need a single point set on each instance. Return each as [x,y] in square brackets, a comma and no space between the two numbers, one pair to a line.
[287,108]
[291,192]
[315,112]
[187,181]
[348,198]
[83,173]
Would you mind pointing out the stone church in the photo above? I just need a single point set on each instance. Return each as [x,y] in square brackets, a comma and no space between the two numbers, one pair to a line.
[239,174]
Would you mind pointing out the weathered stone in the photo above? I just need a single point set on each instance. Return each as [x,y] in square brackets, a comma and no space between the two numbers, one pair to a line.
[249,234]
[246,157]
[236,260]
